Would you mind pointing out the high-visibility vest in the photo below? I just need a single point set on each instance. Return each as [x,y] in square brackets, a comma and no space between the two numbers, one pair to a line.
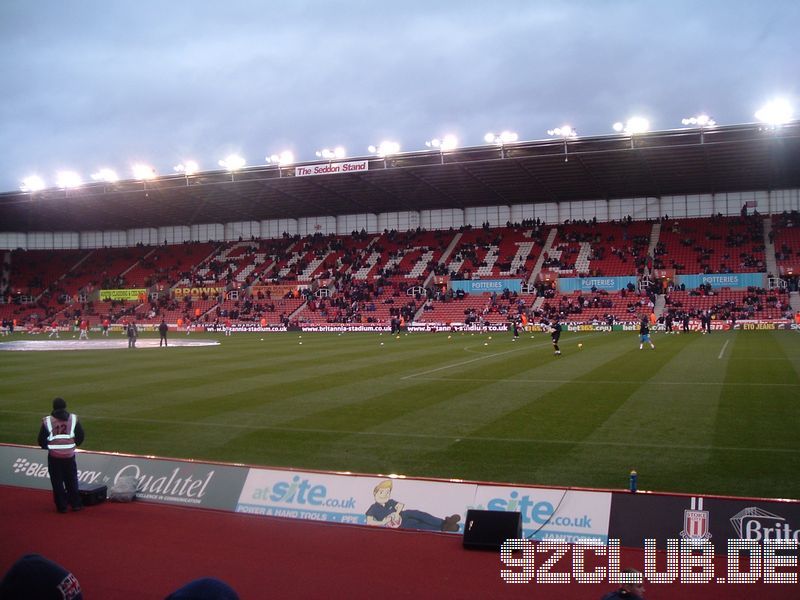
[61,436]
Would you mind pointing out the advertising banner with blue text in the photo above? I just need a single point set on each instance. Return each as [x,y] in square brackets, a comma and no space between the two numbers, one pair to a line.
[586,284]
[186,483]
[720,280]
[550,514]
[486,286]
[377,501]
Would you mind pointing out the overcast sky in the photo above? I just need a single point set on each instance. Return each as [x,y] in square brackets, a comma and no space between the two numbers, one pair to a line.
[89,84]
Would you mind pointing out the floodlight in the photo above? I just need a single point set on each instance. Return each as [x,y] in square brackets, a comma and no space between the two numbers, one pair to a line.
[188,168]
[385,148]
[232,162]
[32,183]
[107,175]
[284,158]
[633,126]
[700,121]
[143,172]
[328,154]
[776,112]
[68,180]
[565,131]
[500,138]
[448,142]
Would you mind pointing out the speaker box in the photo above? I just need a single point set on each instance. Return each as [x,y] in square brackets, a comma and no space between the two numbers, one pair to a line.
[488,529]
[92,494]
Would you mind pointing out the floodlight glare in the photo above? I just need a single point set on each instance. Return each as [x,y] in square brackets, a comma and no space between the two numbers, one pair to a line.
[232,162]
[700,121]
[564,131]
[188,168]
[284,158]
[448,142]
[328,154]
[633,126]
[68,180]
[502,138]
[107,175]
[385,148]
[143,172]
[32,183]
[777,112]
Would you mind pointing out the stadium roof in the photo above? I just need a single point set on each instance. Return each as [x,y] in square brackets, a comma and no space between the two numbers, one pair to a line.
[687,161]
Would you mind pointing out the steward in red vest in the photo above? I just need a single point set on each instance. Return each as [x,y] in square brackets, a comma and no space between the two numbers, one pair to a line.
[59,434]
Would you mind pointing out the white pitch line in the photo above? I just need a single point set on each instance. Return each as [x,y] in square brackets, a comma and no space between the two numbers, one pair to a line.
[484,357]
[721,352]
[454,438]
[608,381]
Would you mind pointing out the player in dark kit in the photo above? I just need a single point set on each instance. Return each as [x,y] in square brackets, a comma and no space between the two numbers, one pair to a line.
[163,328]
[59,434]
[555,334]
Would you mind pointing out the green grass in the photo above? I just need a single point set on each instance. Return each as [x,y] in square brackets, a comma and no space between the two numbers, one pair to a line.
[687,416]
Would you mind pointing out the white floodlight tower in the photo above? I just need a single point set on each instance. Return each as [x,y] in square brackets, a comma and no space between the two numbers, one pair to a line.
[143,173]
[330,155]
[702,122]
[187,168]
[232,163]
[384,150]
[501,139]
[776,113]
[633,127]
[32,184]
[68,180]
[445,144]
[565,132]
[280,160]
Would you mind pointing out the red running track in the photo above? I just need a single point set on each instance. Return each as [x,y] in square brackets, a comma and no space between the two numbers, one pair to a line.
[145,551]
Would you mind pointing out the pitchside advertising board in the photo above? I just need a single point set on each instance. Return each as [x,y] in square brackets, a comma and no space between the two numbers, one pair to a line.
[635,517]
[164,481]
[423,505]
[365,500]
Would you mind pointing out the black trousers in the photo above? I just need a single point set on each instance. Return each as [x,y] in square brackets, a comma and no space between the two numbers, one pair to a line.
[64,479]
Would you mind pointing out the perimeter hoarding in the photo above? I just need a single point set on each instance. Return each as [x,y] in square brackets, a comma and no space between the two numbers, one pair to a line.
[422,504]
[163,481]
[635,517]
[348,499]
[380,501]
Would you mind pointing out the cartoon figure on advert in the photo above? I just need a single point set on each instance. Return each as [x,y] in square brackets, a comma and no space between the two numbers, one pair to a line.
[386,512]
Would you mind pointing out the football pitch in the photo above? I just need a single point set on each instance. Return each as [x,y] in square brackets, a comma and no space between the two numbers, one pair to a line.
[709,414]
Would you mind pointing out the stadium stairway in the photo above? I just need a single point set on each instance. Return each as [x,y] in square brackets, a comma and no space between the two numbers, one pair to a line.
[794,301]
[661,302]
[546,249]
[769,248]
[655,234]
